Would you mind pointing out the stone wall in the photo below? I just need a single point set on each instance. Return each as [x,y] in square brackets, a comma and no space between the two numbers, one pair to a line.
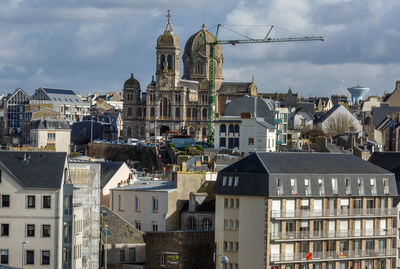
[181,250]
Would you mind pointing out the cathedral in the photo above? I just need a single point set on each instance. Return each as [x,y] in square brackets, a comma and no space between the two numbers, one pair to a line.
[175,103]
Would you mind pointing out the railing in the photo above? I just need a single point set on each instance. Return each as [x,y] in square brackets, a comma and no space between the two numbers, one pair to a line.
[277,121]
[302,213]
[333,255]
[332,234]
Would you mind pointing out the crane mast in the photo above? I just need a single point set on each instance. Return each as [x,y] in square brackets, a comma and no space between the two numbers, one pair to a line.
[247,40]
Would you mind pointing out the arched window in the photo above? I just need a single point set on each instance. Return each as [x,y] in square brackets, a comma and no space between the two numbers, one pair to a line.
[169,60]
[237,128]
[129,131]
[204,131]
[177,113]
[165,107]
[194,114]
[204,113]
[191,131]
[142,131]
[188,113]
[129,111]
[230,128]
[162,60]
[223,128]
[152,112]
[139,112]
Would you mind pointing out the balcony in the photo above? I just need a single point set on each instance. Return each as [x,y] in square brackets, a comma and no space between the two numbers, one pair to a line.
[277,121]
[315,235]
[334,213]
[278,131]
[278,142]
[333,255]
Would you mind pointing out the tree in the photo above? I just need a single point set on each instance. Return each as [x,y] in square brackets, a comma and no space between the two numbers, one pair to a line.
[339,124]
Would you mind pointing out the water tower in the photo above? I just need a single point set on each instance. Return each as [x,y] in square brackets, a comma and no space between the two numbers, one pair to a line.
[357,93]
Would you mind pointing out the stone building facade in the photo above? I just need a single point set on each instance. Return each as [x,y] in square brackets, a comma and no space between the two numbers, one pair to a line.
[172,103]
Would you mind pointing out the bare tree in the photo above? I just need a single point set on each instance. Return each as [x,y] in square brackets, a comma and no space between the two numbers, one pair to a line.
[339,124]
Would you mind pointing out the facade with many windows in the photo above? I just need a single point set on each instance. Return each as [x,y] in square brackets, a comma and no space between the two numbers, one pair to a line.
[305,210]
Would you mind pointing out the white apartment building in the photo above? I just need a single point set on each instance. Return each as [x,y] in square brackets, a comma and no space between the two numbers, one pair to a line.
[281,125]
[51,132]
[148,205]
[244,134]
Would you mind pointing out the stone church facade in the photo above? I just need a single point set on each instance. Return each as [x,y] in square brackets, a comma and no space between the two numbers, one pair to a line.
[172,103]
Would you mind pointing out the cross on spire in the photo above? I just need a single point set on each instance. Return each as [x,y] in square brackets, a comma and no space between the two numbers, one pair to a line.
[171,29]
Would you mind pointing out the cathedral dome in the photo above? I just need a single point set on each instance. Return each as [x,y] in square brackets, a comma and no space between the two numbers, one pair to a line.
[168,39]
[196,56]
[132,83]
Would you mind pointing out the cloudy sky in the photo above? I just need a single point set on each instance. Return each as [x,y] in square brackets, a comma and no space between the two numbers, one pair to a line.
[94,45]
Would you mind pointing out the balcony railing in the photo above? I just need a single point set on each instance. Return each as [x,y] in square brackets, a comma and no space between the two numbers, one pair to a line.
[332,213]
[332,234]
[333,255]
[277,121]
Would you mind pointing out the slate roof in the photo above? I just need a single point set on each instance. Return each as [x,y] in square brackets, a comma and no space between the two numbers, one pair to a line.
[389,161]
[121,230]
[234,87]
[380,113]
[148,185]
[49,124]
[258,174]
[327,114]
[247,104]
[305,106]
[41,170]
[61,96]
[108,170]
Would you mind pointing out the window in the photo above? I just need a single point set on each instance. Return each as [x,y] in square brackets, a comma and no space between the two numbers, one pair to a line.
[334,186]
[232,224]
[162,262]
[132,254]
[31,201]
[223,128]
[204,113]
[226,224]
[138,203]
[236,142]
[30,257]
[251,141]
[224,181]
[3,256]
[321,186]
[155,226]
[138,225]
[51,136]
[30,230]
[385,185]
[237,203]
[155,204]
[236,183]
[230,143]
[191,223]
[177,113]
[152,112]
[236,128]
[5,229]
[45,257]
[305,204]
[307,186]
[46,201]
[225,245]
[232,203]
[122,255]
[226,202]
[46,230]
[237,246]
[360,183]
[119,203]
[230,128]
[373,186]
[0,176]
[222,142]
[230,245]
[293,186]
[348,185]
[206,224]
[5,200]
[169,60]
[237,225]
[230,181]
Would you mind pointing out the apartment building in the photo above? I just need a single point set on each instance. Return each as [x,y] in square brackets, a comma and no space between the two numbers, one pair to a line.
[281,125]
[31,208]
[305,210]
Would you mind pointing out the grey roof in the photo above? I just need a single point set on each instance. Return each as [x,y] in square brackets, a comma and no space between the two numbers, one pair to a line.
[258,174]
[305,106]
[389,161]
[41,170]
[108,170]
[49,124]
[149,185]
[327,114]
[59,95]
[265,124]
[248,104]
[380,113]
[234,87]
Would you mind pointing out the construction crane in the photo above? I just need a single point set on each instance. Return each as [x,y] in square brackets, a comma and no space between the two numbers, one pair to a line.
[247,40]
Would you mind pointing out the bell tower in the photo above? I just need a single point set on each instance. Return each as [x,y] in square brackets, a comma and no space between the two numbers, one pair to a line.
[168,51]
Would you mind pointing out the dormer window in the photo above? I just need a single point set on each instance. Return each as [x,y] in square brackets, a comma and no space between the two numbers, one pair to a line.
[236,183]
[334,186]
[307,186]
[360,183]
[373,186]
[348,185]
[321,186]
[230,181]
[293,186]
[279,186]
[224,179]
[385,185]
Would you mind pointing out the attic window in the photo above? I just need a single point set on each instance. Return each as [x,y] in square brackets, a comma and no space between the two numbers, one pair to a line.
[293,186]
[236,182]
[385,184]
[279,186]
[230,181]
[224,181]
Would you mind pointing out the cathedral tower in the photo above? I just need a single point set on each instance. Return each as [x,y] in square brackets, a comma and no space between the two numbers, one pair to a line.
[168,51]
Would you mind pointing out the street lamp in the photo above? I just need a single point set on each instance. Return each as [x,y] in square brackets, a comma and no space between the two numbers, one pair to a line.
[23,244]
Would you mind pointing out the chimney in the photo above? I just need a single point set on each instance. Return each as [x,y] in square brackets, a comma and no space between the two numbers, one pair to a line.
[245,115]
